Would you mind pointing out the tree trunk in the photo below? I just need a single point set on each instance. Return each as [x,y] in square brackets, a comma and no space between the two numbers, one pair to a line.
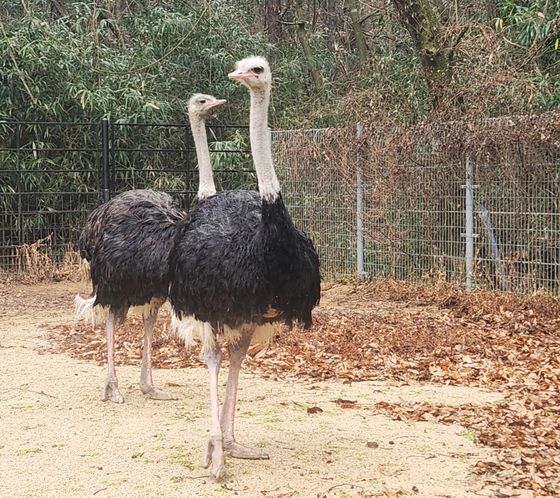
[272,13]
[358,33]
[303,38]
[331,18]
[421,21]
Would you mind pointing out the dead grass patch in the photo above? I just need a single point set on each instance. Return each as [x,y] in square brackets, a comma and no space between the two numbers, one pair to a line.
[34,263]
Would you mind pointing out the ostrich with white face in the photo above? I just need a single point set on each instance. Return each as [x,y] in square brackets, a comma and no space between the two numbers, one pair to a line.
[240,267]
[126,245]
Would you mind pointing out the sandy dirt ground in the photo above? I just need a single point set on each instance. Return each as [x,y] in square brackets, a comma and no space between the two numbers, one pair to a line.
[60,440]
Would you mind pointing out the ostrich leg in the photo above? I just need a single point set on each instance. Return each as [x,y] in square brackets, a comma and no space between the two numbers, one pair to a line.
[146,381]
[215,451]
[237,352]
[111,392]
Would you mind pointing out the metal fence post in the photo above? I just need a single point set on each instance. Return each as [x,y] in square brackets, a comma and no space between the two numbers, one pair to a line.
[105,160]
[19,186]
[469,222]
[359,206]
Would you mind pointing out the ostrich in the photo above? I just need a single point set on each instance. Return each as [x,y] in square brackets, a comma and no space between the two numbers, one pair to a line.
[241,267]
[126,244]
[200,107]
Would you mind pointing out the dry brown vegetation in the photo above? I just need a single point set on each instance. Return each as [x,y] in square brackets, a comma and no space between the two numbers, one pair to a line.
[34,263]
[408,334]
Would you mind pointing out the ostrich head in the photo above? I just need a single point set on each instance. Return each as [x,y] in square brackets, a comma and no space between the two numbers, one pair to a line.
[253,72]
[201,105]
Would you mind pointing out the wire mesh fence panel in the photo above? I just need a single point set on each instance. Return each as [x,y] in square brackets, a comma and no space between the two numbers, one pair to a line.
[49,180]
[52,174]
[417,194]
[517,219]
[318,199]
[414,212]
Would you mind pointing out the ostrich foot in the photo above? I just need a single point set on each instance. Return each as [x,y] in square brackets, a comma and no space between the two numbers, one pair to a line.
[154,393]
[215,457]
[236,450]
[112,393]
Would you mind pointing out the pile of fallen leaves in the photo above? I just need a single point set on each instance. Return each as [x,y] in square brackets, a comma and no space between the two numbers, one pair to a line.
[395,332]
[87,342]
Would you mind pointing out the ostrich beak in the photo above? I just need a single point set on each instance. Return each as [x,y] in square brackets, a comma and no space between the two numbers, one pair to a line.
[215,103]
[240,75]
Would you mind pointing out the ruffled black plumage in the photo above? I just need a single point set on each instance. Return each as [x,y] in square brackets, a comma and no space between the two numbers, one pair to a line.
[238,259]
[128,241]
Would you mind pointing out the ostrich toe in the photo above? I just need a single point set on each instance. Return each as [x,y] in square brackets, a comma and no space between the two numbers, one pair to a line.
[112,393]
[153,392]
[214,457]
[236,450]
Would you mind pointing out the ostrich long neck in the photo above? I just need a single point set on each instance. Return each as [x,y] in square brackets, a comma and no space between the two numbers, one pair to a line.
[206,185]
[269,187]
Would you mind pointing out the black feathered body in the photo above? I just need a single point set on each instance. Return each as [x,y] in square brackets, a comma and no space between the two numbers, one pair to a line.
[239,259]
[127,242]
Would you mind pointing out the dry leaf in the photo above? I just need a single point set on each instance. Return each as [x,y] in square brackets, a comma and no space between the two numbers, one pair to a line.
[314,409]
[345,403]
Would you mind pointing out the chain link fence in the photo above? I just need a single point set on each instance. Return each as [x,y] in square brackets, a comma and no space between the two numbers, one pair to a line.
[318,198]
[477,206]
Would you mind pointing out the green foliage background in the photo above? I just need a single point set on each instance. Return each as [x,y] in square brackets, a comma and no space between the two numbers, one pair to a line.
[139,61]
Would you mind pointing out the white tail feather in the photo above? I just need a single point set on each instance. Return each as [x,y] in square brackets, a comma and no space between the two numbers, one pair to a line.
[85,270]
[84,308]
[190,329]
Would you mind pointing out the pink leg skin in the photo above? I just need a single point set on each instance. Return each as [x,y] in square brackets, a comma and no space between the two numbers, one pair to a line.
[146,381]
[111,392]
[215,451]
[237,353]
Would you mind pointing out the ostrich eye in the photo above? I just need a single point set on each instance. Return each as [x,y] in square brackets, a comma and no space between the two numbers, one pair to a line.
[202,101]
[258,70]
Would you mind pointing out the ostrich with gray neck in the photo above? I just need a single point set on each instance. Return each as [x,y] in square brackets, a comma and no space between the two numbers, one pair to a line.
[199,108]
[126,245]
[241,267]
